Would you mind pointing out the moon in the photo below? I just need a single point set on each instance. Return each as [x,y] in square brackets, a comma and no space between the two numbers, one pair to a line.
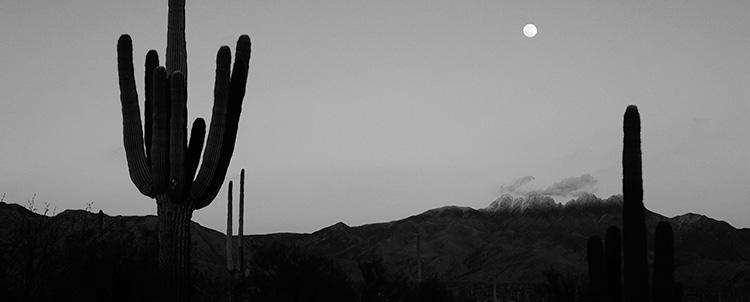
[529,30]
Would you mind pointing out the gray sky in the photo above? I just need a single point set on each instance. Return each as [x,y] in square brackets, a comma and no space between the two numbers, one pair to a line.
[370,111]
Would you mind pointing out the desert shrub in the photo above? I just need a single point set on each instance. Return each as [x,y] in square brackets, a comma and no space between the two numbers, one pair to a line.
[286,273]
[560,287]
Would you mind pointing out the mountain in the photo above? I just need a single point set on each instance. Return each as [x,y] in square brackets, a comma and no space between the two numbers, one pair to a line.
[513,240]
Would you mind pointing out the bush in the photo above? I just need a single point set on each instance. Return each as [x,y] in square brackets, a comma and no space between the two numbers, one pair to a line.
[284,273]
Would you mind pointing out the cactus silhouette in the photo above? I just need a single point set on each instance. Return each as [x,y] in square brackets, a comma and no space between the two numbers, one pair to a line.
[161,162]
[635,262]
[663,288]
[632,248]
[613,257]
[237,271]
[595,258]
[230,244]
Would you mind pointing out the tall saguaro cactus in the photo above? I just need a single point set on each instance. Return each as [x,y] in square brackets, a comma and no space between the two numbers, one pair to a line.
[634,254]
[161,161]
[635,268]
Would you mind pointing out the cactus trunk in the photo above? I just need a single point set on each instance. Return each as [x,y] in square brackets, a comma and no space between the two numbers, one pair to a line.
[174,249]
[635,267]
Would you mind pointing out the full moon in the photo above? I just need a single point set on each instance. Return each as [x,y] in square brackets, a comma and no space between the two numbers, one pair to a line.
[529,30]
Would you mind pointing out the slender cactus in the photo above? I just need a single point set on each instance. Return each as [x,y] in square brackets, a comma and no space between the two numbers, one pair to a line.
[595,259]
[230,246]
[236,269]
[663,277]
[635,268]
[163,163]
[241,269]
[613,257]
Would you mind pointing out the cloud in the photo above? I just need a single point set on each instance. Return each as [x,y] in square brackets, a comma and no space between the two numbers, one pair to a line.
[514,186]
[571,186]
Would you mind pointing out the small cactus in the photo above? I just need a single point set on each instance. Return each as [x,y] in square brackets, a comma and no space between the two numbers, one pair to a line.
[595,258]
[613,258]
[663,277]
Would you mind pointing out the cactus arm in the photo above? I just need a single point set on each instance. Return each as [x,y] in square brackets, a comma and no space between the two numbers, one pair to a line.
[176,45]
[209,167]
[239,73]
[195,146]
[160,131]
[152,61]
[138,166]
[234,108]
[236,94]
[178,128]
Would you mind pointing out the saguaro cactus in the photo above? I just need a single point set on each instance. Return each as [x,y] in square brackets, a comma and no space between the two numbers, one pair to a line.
[634,254]
[162,163]
[663,278]
[613,256]
[635,267]
[595,258]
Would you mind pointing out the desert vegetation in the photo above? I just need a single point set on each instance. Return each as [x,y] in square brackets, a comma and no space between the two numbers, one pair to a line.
[605,268]
[79,255]
[166,171]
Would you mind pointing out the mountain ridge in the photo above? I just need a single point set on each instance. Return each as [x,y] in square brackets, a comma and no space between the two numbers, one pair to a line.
[513,239]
